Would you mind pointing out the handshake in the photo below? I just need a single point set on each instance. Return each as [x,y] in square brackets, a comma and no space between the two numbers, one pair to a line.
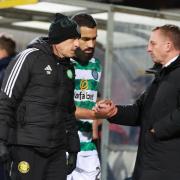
[105,109]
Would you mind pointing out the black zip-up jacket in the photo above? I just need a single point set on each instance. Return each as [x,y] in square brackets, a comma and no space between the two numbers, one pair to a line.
[3,64]
[158,156]
[37,100]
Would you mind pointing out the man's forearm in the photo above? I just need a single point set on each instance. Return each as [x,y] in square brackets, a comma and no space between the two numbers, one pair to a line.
[83,113]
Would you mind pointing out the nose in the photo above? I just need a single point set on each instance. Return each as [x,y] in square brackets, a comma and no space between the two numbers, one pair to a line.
[148,49]
[76,42]
[91,43]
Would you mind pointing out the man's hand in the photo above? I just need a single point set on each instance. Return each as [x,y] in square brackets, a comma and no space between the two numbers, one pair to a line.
[152,131]
[71,162]
[105,109]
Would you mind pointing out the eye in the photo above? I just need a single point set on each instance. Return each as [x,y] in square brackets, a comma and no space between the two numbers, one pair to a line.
[94,39]
[85,38]
[152,43]
[88,39]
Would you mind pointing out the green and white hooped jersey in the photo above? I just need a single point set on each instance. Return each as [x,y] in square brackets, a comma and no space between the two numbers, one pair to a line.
[85,96]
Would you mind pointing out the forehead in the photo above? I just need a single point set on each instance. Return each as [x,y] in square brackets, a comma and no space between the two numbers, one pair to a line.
[88,32]
[157,35]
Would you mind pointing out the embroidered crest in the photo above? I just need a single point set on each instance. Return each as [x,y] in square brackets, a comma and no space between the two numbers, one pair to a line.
[69,74]
[95,74]
[23,167]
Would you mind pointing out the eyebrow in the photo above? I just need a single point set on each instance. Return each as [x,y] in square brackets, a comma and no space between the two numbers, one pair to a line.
[88,37]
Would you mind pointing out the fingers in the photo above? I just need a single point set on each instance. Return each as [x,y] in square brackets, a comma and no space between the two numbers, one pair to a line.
[104,101]
[105,109]
[152,131]
[112,112]
[103,104]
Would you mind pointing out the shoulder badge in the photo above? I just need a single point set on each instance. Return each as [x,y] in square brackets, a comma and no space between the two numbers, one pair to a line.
[69,74]
[94,74]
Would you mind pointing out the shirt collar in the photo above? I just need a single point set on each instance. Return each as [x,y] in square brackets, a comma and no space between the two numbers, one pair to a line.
[169,62]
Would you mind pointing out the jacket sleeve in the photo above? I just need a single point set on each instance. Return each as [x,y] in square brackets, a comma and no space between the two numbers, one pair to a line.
[73,142]
[12,90]
[129,115]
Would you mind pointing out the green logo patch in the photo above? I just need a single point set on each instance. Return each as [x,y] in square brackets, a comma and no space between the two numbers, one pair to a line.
[69,74]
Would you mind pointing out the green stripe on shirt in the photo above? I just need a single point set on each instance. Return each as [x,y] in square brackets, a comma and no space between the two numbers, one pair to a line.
[87,146]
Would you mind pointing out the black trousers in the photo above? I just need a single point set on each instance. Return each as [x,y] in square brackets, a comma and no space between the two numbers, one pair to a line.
[37,164]
[4,172]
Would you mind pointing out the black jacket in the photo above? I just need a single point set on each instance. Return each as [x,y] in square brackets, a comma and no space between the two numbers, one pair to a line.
[3,65]
[158,156]
[36,101]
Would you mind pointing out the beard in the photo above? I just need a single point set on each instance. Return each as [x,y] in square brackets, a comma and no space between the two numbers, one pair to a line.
[83,57]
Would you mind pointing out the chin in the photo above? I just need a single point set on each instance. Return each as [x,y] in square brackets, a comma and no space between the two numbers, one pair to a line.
[156,61]
[89,55]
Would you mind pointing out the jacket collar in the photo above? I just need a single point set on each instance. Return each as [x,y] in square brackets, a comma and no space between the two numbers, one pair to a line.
[165,70]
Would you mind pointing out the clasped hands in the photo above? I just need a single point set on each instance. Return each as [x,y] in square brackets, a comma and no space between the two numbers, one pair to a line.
[105,109]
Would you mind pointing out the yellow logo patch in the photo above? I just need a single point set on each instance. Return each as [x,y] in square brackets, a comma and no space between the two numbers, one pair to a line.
[23,167]
[84,85]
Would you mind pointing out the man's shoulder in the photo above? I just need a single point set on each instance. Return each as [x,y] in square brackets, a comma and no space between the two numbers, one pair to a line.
[27,56]
[94,64]
[97,64]
[95,60]
[27,52]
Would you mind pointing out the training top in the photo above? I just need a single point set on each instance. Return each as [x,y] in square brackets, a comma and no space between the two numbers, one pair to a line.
[37,100]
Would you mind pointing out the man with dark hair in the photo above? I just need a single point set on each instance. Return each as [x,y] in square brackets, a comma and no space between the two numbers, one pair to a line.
[37,110]
[157,111]
[7,52]
[88,73]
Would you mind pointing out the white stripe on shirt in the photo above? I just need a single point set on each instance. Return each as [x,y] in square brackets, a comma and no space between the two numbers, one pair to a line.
[16,70]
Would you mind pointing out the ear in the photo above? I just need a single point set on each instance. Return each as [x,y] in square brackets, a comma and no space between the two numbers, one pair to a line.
[3,53]
[169,46]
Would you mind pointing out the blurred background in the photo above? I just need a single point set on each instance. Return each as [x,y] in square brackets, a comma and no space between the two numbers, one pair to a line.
[154,4]
[123,31]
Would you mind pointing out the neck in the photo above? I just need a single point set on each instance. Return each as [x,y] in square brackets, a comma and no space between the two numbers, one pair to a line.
[171,56]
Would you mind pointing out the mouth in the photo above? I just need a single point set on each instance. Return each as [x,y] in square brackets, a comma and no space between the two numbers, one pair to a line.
[151,55]
[88,51]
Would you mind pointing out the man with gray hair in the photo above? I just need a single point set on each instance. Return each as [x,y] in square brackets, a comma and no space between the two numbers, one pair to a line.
[156,111]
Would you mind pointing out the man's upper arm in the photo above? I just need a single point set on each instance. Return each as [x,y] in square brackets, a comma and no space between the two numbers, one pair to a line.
[17,76]
[12,90]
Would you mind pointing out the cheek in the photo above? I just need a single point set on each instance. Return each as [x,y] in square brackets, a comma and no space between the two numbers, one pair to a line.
[159,50]
[66,51]
[156,49]
[82,45]
[71,50]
